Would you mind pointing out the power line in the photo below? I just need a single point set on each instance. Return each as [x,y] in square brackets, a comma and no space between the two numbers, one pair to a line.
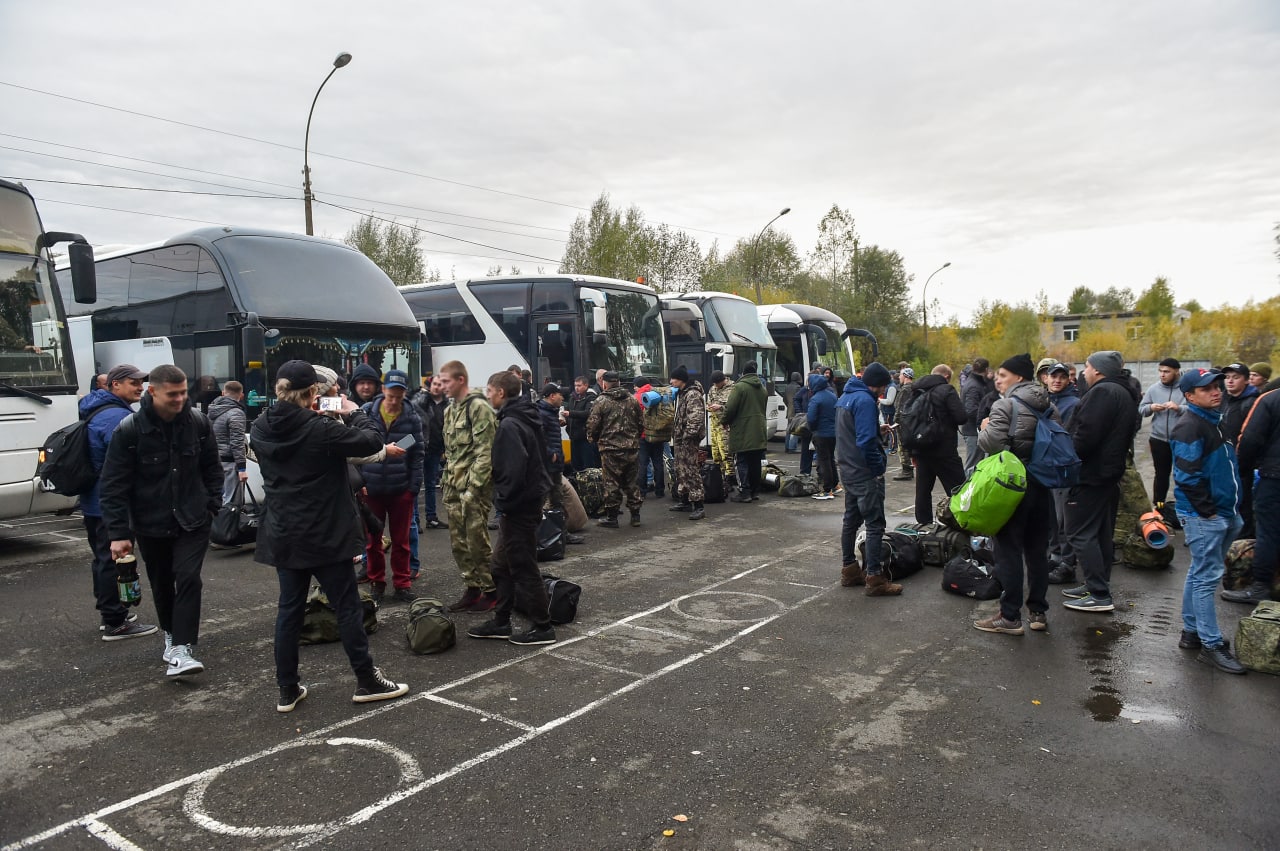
[148,189]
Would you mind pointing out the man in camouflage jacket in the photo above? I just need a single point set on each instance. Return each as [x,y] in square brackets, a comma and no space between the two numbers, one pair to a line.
[469,428]
[687,433]
[614,428]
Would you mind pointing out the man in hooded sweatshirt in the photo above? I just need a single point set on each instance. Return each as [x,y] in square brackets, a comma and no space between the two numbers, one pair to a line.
[520,484]
[746,416]
[1025,538]
[821,416]
[1102,429]
[365,383]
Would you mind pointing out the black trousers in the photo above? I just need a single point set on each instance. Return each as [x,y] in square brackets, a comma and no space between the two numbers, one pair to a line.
[173,569]
[826,449]
[1025,540]
[747,465]
[943,465]
[514,566]
[105,590]
[1162,460]
[1091,525]
[338,582]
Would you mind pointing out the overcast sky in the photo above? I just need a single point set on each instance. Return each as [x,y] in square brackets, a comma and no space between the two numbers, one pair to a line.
[1032,145]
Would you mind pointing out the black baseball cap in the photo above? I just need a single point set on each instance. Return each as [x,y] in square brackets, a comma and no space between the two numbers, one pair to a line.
[550,389]
[298,373]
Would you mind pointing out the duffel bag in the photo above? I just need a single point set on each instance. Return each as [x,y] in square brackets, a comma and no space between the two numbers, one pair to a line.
[806,485]
[938,544]
[320,621]
[1239,561]
[551,535]
[589,484]
[575,515]
[237,522]
[562,600]
[970,578]
[1258,638]
[713,489]
[429,629]
[899,554]
[1135,552]
[988,498]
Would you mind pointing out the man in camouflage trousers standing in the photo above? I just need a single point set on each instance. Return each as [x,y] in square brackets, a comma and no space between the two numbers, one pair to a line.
[717,398]
[469,428]
[686,436]
[614,428]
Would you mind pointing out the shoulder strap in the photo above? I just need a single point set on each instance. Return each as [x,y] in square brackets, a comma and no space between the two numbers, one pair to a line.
[97,411]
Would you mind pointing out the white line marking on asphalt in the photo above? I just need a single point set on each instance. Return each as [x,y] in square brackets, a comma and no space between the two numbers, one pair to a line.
[110,837]
[318,735]
[484,713]
[602,666]
[675,606]
[805,585]
[668,633]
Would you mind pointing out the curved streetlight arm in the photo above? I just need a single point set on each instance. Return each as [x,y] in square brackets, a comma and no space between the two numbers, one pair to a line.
[924,300]
[340,62]
[755,253]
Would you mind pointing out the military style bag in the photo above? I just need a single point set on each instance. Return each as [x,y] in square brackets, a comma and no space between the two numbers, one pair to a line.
[899,554]
[429,629]
[988,498]
[1258,639]
[320,622]
[660,418]
[589,484]
[938,544]
[799,427]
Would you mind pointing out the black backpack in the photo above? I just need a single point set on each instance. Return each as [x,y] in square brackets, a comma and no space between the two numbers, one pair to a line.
[969,577]
[919,426]
[65,466]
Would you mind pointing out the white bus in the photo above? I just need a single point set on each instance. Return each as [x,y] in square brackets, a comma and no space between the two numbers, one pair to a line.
[809,336]
[38,383]
[556,326]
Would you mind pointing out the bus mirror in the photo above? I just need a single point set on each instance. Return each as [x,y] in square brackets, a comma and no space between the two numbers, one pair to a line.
[599,326]
[253,341]
[84,277]
[860,332]
[726,364]
[822,346]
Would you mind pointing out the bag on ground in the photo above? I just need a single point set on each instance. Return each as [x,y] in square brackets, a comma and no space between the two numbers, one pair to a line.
[1135,552]
[562,600]
[1258,638]
[429,629]
[320,622]
[969,577]
[804,485]
[713,488]
[575,515]
[551,533]
[988,498]
[899,554]
[589,484]
[919,426]
[64,465]
[938,544]
[1054,462]
[237,522]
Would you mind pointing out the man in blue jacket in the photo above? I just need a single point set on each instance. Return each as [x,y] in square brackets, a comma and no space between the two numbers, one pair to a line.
[104,409]
[862,463]
[392,485]
[1206,484]
[821,416]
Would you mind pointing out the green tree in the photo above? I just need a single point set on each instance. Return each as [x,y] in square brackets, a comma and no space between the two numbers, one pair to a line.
[393,247]
[1082,300]
[606,242]
[1114,300]
[1156,300]
[673,259]
[836,250]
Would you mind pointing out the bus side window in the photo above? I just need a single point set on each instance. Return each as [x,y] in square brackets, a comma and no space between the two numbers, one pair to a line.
[157,282]
[508,305]
[446,317]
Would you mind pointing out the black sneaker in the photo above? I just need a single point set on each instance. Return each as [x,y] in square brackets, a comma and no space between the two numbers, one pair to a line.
[571,538]
[490,629]
[609,522]
[1254,594]
[536,635]
[1063,574]
[1038,621]
[433,523]
[1220,657]
[377,687]
[681,506]
[290,697]
[739,497]
[403,595]
[1189,641]
[904,477]
[128,630]
[132,617]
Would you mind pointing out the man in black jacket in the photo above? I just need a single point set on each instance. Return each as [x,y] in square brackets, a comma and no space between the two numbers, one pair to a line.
[581,453]
[938,460]
[976,388]
[520,483]
[1258,448]
[1102,430]
[431,402]
[162,482]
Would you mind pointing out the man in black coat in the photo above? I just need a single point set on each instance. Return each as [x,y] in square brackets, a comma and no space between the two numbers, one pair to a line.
[1102,430]
[976,388]
[520,484]
[162,482]
[581,453]
[431,402]
[939,460]
[1258,448]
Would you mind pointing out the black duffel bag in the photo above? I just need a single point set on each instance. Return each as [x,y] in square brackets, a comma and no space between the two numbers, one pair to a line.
[551,535]
[969,577]
[562,600]
[237,522]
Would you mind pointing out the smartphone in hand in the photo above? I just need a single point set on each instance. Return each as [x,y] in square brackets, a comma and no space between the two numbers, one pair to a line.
[406,441]
[331,403]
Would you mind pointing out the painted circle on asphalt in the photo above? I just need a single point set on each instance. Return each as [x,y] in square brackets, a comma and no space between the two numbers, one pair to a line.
[194,806]
[697,607]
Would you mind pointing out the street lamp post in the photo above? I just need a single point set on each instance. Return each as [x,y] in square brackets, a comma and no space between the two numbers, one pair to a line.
[924,307]
[755,254]
[340,62]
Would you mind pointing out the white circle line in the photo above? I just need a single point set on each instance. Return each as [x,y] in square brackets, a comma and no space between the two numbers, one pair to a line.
[675,606]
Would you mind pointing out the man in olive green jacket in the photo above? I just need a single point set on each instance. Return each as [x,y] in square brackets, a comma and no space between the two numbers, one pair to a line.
[747,418]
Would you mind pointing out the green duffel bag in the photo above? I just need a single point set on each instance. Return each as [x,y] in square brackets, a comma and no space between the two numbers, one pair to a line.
[429,629]
[1258,638]
[806,485]
[1135,552]
[320,622]
[988,498]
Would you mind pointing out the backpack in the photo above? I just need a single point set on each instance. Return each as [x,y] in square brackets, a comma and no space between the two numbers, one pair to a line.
[1054,462]
[320,622]
[899,555]
[938,544]
[713,488]
[660,418]
[429,629]
[970,578]
[551,535]
[562,600]
[988,498]
[64,465]
[919,426]
[1258,638]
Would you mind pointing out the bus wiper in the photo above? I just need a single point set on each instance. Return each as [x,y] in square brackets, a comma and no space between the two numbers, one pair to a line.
[741,336]
[14,390]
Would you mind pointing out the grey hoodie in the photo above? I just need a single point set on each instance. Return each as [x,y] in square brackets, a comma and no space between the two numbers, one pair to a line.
[1162,421]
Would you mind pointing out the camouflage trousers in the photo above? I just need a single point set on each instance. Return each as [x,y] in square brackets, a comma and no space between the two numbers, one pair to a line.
[469,537]
[619,470]
[720,447]
[688,470]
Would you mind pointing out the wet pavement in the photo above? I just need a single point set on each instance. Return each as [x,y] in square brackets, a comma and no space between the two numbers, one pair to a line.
[719,690]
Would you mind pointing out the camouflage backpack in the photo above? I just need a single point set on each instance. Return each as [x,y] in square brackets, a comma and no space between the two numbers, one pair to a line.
[660,417]
[589,484]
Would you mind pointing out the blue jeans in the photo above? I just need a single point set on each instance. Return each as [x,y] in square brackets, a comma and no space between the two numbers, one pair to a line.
[863,503]
[414,564]
[1208,539]
[339,585]
[430,478]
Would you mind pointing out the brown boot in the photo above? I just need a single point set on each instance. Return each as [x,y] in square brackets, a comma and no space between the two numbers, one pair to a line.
[851,575]
[878,586]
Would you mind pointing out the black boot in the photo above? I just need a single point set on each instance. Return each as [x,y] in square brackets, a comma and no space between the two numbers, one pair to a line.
[1255,593]
[697,513]
[635,517]
[682,505]
[610,521]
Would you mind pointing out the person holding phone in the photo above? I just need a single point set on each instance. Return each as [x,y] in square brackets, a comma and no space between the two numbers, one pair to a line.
[392,485]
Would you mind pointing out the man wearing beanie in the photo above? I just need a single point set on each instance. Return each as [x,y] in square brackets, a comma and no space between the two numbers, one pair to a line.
[687,431]
[861,461]
[1024,540]
[1259,374]
[1102,430]
[1164,403]
[746,414]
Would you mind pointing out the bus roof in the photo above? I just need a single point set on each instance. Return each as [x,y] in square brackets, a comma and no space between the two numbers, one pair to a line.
[698,296]
[796,314]
[590,280]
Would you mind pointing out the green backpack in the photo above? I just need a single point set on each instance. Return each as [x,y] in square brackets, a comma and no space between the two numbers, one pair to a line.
[429,629]
[320,622]
[660,418]
[988,498]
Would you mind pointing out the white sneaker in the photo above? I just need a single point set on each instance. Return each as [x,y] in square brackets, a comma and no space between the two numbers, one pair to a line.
[168,647]
[181,662]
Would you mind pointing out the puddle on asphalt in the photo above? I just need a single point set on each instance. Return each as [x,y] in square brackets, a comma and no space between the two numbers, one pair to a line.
[1105,703]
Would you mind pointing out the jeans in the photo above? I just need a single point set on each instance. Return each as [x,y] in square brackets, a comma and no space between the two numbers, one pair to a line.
[863,504]
[414,563]
[1060,544]
[747,464]
[515,569]
[105,590]
[1025,538]
[826,449]
[339,585]
[943,465]
[230,478]
[651,453]
[398,510]
[972,454]
[430,478]
[806,456]
[1162,460]
[1266,513]
[173,570]
[1091,525]
[1208,539]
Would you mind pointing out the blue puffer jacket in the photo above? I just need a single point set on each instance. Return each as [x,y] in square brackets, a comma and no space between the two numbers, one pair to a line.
[859,454]
[821,412]
[100,430]
[395,475]
[1206,477]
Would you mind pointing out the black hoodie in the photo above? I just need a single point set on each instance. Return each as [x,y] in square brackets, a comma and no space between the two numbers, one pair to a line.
[520,480]
[311,517]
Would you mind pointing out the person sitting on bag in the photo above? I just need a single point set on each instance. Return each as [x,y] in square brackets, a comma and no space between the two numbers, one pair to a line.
[1025,538]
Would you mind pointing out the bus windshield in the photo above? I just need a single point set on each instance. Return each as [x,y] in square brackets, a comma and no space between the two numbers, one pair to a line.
[837,356]
[634,334]
[33,343]
[730,320]
[339,349]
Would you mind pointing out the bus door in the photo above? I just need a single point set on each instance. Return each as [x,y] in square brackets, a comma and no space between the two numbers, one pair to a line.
[554,351]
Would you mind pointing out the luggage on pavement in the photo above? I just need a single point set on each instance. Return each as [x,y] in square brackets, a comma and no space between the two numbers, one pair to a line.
[589,484]
[551,535]
[969,577]
[237,521]
[562,600]
[937,543]
[713,487]
[320,622]
[1258,638]
[899,554]
[575,515]
[429,629]
[993,491]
